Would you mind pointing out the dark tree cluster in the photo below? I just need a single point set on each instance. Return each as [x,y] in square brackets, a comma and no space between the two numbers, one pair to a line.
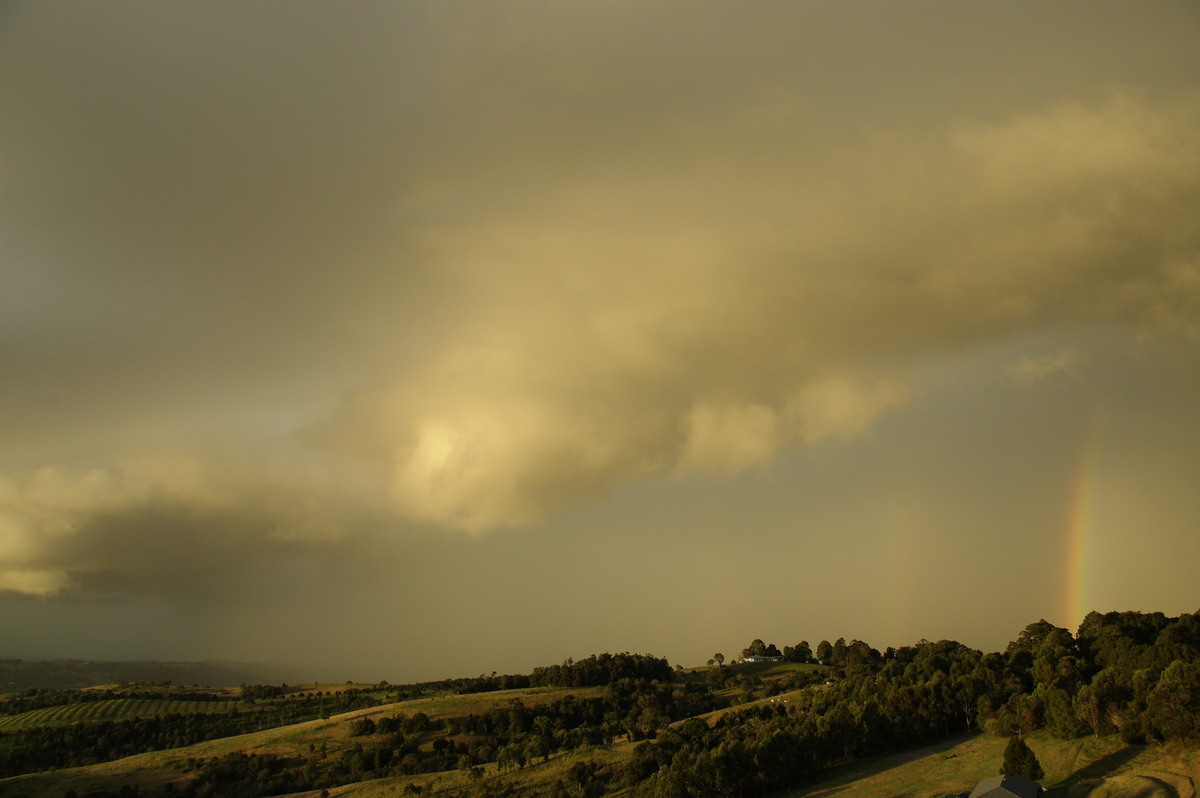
[758,648]
[259,691]
[1135,673]
[840,653]
[515,735]
[602,669]
[242,776]
[478,684]
[633,709]
[594,671]
[1020,761]
[585,779]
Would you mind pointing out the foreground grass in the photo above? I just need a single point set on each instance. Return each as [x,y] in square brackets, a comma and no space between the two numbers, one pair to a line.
[1088,767]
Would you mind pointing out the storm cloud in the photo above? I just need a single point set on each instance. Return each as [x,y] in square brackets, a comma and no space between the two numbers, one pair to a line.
[286,280]
[726,331]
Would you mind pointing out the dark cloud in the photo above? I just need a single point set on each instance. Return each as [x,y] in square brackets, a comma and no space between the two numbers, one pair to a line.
[285,281]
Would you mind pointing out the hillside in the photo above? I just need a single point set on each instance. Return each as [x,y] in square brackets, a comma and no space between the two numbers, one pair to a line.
[1112,711]
[334,737]
[1094,767]
[1097,767]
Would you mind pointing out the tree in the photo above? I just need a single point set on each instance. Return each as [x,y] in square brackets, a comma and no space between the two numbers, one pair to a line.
[756,649]
[824,651]
[1061,718]
[1020,761]
[1095,702]
[586,778]
[1032,637]
[716,678]
[719,658]
[361,727]
[859,653]
[511,757]
[1173,707]
[537,747]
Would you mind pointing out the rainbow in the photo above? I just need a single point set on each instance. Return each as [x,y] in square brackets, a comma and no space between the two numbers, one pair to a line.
[1080,527]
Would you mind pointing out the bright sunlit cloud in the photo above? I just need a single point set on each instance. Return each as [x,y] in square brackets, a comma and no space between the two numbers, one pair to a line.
[303,291]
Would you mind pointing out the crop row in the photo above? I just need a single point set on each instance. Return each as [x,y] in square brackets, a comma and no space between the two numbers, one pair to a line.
[114,709]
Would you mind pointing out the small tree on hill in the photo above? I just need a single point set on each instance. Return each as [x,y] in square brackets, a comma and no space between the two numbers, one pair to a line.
[1019,760]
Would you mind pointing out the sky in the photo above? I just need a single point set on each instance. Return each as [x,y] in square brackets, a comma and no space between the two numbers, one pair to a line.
[411,340]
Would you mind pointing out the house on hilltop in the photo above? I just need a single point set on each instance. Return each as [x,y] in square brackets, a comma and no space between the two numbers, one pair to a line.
[761,658]
[1006,787]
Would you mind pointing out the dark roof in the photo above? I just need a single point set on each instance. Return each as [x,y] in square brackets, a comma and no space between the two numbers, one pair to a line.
[1006,787]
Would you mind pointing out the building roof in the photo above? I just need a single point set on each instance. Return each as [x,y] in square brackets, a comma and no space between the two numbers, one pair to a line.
[1006,787]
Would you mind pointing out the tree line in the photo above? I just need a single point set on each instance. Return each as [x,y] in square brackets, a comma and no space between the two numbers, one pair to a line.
[1137,674]
[839,653]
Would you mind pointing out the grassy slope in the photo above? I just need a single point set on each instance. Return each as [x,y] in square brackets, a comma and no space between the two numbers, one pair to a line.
[155,768]
[1095,767]
[1089,766]
[1086,768]
[537,777]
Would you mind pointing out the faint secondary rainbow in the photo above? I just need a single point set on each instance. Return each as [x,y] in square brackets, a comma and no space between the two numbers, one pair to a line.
[1080,528]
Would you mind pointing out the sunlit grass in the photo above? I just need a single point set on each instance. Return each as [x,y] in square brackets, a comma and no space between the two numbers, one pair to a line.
[1087,767]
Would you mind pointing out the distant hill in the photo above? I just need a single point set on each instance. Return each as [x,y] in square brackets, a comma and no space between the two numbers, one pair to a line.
[17,675]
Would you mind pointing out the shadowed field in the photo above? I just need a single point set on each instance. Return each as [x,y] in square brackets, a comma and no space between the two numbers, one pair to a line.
[1088,767]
